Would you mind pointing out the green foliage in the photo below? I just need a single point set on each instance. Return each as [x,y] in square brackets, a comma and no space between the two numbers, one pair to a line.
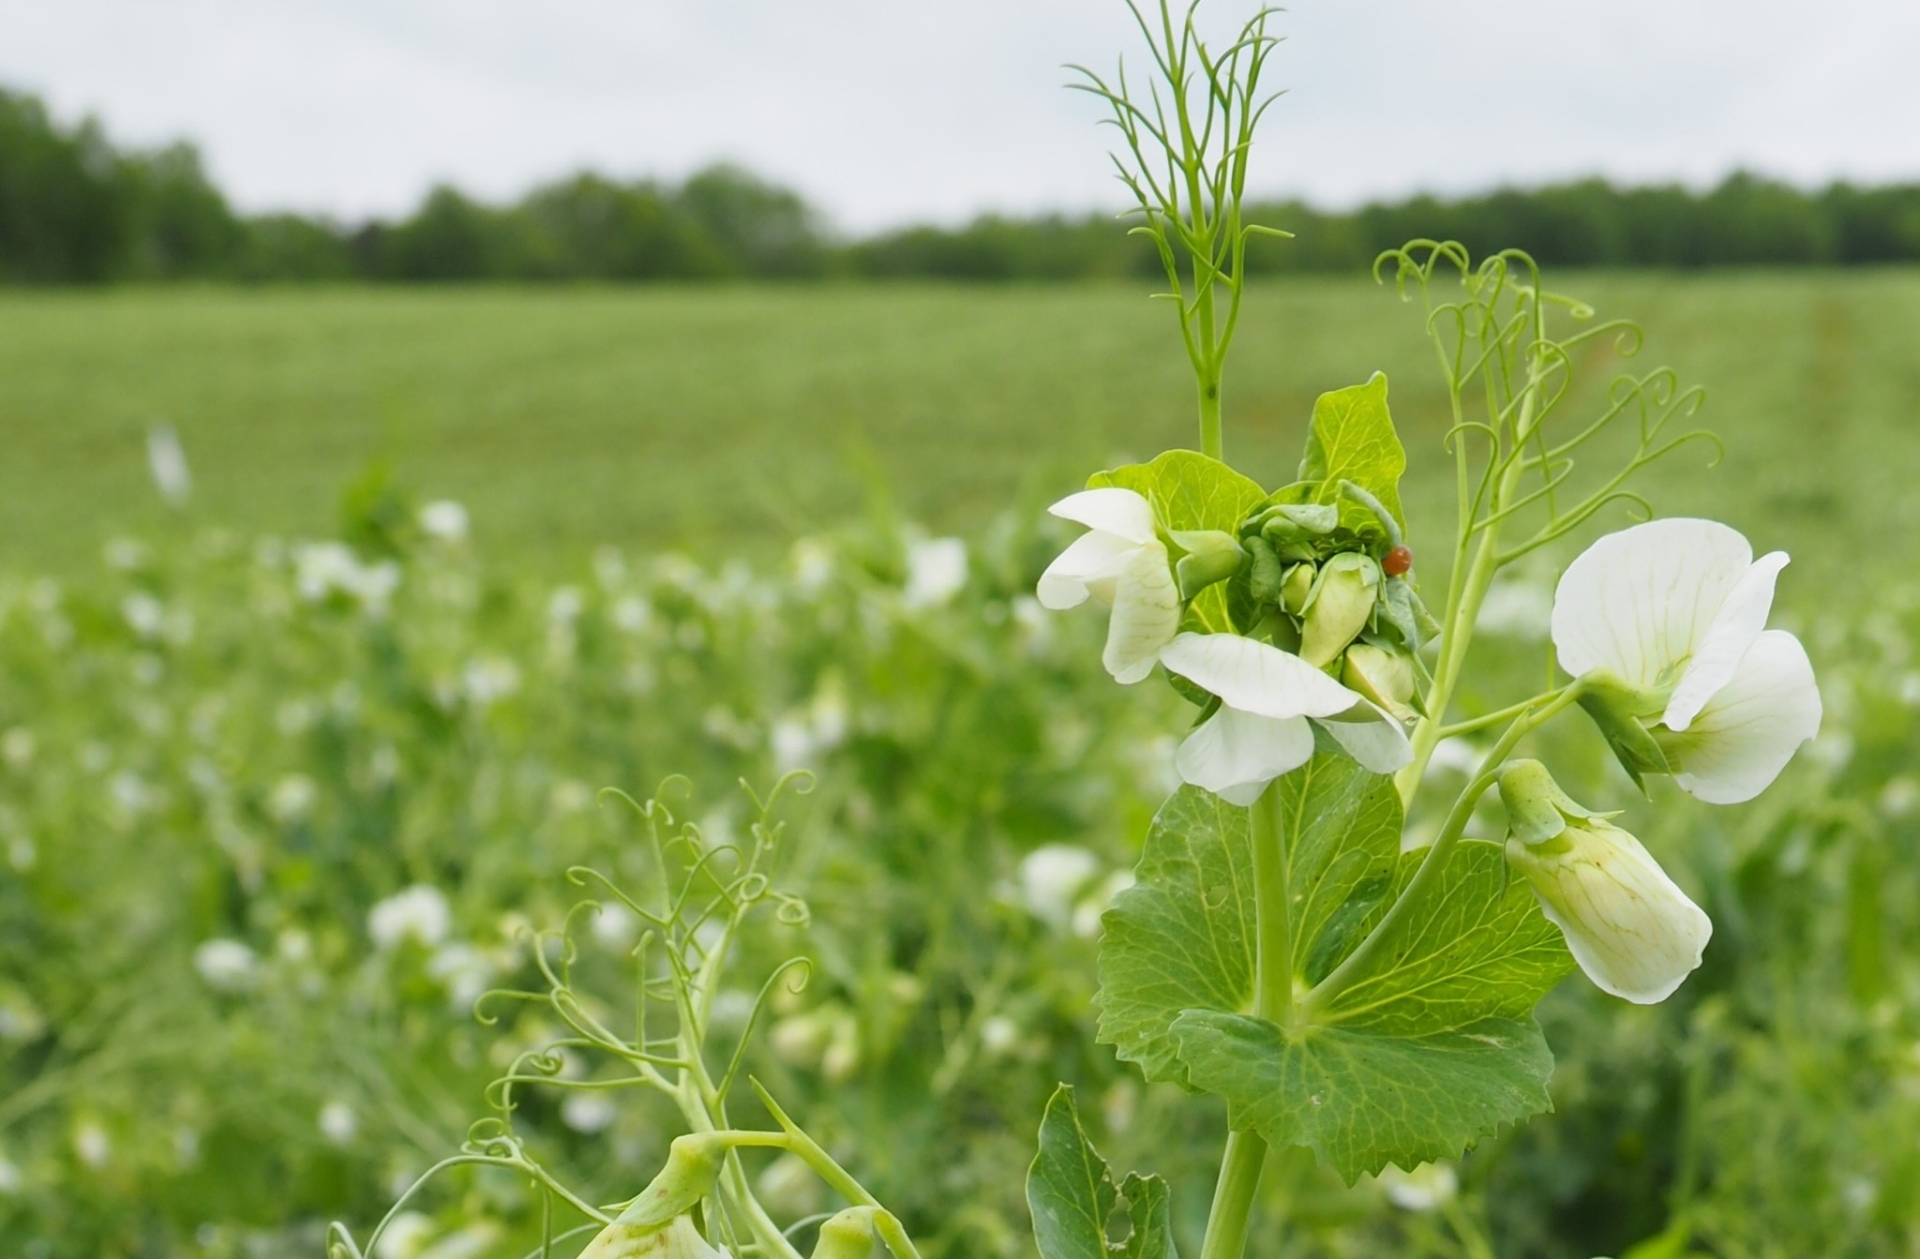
[1360,1100]
[1072,1196]
[1444,1004]
[1352,439]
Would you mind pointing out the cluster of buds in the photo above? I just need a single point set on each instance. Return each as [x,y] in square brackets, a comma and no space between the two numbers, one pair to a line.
[1330,627]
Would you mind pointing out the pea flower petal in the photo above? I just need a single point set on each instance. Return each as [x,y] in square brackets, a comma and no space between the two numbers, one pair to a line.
[1235,754]
[1751,727]
[1629,926]
[1123,564]
[1677,609]
[1261,730]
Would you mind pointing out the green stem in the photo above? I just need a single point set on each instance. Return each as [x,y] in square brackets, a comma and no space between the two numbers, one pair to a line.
[1240,1168]
[1246,1152]
[1210,438]
[1457,634]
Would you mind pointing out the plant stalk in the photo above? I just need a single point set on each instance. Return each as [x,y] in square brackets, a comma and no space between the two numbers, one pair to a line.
[1246,1152]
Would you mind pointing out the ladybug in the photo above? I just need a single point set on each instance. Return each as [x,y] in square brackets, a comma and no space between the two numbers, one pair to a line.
[1397,562]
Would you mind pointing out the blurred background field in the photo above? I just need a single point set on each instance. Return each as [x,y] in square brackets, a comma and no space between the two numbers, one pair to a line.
[286,772]
[736,419]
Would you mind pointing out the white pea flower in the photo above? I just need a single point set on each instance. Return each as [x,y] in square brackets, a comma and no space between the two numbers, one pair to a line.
[1123,564]
[1676,611]
[1269,700]
[1629,926]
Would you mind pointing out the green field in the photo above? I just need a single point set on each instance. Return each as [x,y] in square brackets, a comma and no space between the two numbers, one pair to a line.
[273,811]
[736,418]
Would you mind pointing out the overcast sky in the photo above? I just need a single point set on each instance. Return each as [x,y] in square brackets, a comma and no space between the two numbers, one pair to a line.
[884,111]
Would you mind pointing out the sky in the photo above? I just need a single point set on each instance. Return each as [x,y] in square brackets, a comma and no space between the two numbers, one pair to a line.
[890,111]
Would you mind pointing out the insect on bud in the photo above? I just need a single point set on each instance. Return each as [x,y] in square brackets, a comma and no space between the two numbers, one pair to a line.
[1398,561]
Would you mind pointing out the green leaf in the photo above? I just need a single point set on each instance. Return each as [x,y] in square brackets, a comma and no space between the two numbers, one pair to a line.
[1432,1046]
[1188,490]
[1353,439]
[1480,948]
[1360,1101]
[1071,1195]
[1191,492]
[1150,1204]
[1183,936]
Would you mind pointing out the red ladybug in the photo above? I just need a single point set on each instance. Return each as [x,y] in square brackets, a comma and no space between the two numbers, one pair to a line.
[1396,562]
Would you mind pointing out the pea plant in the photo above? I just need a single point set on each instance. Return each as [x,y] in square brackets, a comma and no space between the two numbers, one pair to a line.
[1346,983]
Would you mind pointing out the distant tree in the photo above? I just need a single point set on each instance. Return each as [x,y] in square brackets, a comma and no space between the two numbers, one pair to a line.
[593,228]
[288,247]
[63,214]
[765,231]
[180,225]
[450,238]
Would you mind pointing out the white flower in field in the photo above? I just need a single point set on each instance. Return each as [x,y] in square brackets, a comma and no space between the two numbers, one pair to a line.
[463,971]
[1051,878]
[1675,611]
[292,798]
[338,1123]
[405,1236]
[1269,702]
[999,1036]
[1425,1188]
[91,1143]
[325,569]
[936,571]
[225,965]
[167,460]
[1123,564]
[444,521]
[417,913]
[1631,928]
[588,1111]
[489,679]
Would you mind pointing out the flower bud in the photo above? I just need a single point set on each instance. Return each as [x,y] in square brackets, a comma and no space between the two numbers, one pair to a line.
[678,1240]
[1340,607]
[1631,928]
[1296,588]
[1266,576]
[693,1165]
[1382,675]
[1211,556]
[1288,522]
[848,1235]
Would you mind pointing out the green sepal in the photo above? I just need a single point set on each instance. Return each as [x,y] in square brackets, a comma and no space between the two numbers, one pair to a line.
[1402,609]
[1208,556]
[1619,711]
[1071,1193]
[693,1165]
[1265,576]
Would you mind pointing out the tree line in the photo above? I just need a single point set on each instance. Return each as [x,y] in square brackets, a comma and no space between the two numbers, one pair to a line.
[76,209]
